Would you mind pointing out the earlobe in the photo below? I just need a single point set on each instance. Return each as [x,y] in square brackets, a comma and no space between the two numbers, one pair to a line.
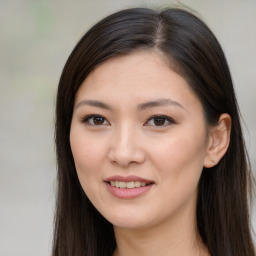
[218,143]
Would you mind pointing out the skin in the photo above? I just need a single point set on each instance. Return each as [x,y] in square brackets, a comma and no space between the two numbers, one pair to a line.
[128,141]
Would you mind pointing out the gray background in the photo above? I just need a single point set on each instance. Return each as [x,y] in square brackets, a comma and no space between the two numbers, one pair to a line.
[36,38]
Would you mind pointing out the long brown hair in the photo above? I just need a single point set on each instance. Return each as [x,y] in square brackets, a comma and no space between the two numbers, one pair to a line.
[222,207]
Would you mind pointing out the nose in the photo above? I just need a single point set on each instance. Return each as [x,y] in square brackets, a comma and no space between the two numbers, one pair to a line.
[125,147]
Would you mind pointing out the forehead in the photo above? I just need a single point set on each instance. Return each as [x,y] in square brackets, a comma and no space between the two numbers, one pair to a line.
[138,76]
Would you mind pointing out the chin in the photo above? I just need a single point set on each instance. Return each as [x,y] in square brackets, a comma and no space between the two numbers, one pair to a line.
[129,221]
[128,224]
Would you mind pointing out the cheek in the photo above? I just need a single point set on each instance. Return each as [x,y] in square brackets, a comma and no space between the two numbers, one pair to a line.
[180,158]
[179,164]
[88,153]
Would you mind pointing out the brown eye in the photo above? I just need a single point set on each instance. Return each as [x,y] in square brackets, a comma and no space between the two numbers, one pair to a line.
[98,120]
[95,120]
[160,120]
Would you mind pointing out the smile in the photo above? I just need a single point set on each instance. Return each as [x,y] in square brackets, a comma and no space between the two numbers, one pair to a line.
[128,187]
[130,184]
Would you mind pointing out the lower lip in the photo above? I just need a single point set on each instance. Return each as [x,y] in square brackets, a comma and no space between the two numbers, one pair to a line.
[128,193]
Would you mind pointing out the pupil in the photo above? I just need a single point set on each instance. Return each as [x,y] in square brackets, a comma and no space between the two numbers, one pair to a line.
[98,120]
[159,121]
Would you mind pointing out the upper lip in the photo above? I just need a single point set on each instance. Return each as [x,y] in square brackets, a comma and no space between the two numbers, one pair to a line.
[128,178]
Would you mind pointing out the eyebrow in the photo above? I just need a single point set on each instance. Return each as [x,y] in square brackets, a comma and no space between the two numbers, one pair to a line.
[159,102]
[94,103]
[142,106]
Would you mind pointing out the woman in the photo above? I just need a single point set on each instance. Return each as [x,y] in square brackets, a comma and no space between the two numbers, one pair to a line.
[151,158]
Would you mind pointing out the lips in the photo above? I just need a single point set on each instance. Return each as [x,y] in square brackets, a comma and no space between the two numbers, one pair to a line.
[130,184]
[128,187]
[128,178]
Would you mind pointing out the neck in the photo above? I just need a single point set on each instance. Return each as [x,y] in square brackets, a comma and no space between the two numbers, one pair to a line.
[148,244]
[177,236]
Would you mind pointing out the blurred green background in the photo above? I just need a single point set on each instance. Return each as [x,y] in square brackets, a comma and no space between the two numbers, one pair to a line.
[36,38]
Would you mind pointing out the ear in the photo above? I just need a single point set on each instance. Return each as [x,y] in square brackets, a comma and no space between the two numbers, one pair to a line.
[219,137]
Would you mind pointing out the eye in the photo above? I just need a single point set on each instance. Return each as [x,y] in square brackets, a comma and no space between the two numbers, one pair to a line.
[159,120]
[96,120]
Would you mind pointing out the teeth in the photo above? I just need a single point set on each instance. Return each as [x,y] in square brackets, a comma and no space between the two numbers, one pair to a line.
[130,184]
[122,184]
[137,184]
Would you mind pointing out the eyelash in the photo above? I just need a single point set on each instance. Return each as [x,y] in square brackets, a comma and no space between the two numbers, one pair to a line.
[165,118]
[87,119]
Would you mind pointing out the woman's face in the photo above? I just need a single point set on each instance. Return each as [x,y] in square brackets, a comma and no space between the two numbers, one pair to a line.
[139,141]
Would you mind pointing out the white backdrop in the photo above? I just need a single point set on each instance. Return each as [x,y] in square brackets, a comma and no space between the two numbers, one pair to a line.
[35,40]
